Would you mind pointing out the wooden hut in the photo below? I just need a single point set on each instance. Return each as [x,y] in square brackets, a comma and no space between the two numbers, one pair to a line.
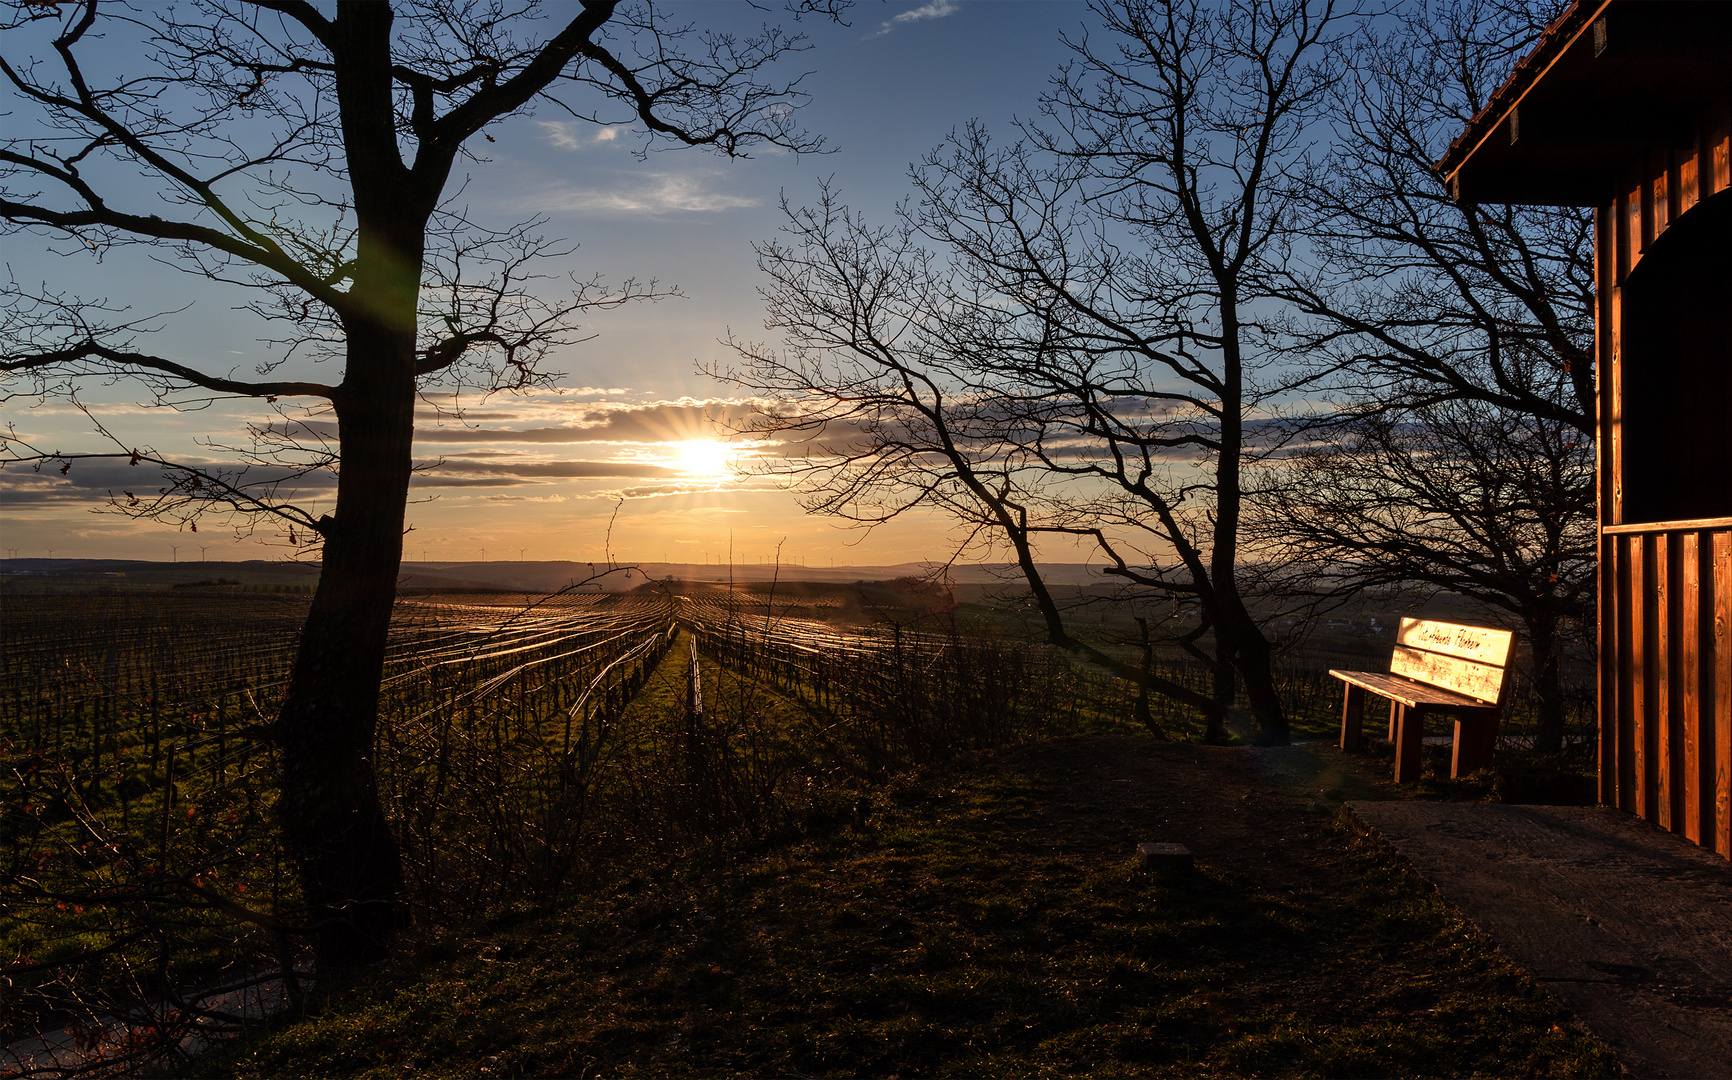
[1626,106]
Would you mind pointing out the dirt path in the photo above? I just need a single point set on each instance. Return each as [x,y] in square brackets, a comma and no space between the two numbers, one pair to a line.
[1630,925]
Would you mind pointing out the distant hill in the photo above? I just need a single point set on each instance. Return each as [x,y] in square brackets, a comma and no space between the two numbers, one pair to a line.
[129,575]
[531,576]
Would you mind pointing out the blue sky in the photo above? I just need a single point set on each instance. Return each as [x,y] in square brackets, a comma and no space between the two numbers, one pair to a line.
[884,90]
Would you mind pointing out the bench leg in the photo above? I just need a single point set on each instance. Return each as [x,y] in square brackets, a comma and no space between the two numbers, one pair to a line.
[1475,738]
[1409,740]
[1353,718]
[1394,718]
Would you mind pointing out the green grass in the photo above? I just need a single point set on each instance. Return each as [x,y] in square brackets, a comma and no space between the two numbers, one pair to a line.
[955,932]
[940,925]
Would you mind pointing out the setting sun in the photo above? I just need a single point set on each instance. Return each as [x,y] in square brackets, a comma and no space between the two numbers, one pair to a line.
[702,457]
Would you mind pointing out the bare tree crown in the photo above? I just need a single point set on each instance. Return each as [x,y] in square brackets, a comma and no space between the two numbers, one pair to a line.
[311,159]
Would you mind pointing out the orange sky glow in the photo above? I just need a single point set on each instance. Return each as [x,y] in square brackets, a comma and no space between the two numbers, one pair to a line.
[639,452]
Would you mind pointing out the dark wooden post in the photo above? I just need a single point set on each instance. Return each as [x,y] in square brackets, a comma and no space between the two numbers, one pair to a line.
[1475,738]
[1353,718]
[1409,741]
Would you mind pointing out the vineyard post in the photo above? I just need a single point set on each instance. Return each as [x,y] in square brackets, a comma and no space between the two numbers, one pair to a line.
[47,712]
[93,785]
[120,771]
[222,765]
[694,686]
[167,809]
[155,718]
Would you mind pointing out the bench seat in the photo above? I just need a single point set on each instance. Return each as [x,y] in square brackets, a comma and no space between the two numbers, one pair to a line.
[1408,692]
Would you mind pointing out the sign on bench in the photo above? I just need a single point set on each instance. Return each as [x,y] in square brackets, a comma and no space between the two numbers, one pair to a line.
[1436,667]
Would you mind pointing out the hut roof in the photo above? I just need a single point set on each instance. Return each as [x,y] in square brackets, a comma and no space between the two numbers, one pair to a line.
[1609,80]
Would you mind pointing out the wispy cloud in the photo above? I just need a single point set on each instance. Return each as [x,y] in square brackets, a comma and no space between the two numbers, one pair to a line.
[570,134]
[689,487]
[561,133]
[643,422]
[643,194]
[557,469]
[932,9]
[94,480]
[647,426]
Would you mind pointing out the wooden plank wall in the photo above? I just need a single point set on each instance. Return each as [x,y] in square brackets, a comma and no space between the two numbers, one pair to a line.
[1665,589]
[1666,724]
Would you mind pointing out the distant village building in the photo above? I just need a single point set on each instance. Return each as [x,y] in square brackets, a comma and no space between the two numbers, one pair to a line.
[1626,106]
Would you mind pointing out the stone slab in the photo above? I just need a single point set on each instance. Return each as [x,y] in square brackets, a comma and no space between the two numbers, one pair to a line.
[1165,856]
[1629,925]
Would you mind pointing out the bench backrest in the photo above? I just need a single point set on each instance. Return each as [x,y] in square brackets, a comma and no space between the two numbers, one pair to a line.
[1454,656]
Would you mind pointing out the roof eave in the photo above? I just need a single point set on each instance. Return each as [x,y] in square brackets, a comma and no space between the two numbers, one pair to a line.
[1553,44]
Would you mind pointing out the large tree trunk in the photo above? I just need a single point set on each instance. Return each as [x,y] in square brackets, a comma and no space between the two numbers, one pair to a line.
[1242,639]
[1548,678]
[1253,657]
[1225,690]
[332,821]
[1145,716]
[333,824]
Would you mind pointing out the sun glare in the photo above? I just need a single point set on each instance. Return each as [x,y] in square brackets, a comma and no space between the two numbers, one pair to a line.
[703,457]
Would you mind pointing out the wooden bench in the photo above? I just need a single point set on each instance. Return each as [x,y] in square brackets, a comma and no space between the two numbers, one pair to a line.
[1437,667]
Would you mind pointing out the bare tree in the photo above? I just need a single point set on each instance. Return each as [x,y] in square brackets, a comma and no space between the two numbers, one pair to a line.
[1457,343]
[1416,297]
[1459,496]
[309,153]
[1062,340]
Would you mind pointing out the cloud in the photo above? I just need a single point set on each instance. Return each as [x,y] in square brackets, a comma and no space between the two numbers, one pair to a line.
[650,422]
[653,425]
[450,405]
[932,9]
[563,469]
[649,194]
[498,474]
[437,416]
[569,134]
[696,487]
[91,480]
[463,481]
[561,133]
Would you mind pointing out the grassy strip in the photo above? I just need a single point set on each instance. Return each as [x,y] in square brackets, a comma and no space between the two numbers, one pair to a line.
[965,927]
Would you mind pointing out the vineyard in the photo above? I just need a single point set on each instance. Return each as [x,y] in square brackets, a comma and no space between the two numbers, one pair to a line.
[526,745]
